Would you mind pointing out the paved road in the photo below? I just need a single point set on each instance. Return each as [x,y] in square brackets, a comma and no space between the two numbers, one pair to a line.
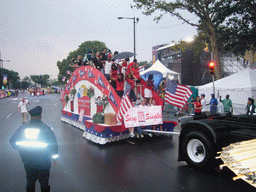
[148,164]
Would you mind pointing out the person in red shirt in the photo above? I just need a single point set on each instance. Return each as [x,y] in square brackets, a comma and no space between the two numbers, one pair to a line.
[120,85]
[124,65]
[130,66]
[148,90]
[113,75]
[136,72]
[197,106]
[132,83]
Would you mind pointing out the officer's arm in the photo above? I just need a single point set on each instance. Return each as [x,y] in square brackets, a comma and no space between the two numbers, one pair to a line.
[14,138]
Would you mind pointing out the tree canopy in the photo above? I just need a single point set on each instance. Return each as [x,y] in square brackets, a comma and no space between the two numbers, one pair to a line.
[94,46]
[40,79]
[227,25]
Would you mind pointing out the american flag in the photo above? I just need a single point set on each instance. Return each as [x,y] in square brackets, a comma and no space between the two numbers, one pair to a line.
[176,94]
[68,72]
[63,78]
[126,104]
[62,95]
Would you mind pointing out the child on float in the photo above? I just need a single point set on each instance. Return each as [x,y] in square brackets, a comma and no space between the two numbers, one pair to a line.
[120,85]
[148,90]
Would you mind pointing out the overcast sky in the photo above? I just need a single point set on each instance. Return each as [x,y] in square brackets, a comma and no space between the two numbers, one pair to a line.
[35,34]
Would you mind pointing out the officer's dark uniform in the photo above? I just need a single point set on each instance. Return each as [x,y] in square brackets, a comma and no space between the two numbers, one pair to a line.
[36,144]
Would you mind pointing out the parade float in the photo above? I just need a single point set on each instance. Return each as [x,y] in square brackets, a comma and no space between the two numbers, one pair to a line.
[91,104]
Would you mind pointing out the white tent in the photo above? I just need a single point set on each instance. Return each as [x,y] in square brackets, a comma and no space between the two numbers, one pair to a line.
[239,86]
[158,67]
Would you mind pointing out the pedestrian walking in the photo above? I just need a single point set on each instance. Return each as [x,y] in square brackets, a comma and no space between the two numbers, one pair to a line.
[37,146]
[227,105]
[22,108]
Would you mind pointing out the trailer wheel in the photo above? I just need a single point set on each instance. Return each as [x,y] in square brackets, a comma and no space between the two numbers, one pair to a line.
[198,150]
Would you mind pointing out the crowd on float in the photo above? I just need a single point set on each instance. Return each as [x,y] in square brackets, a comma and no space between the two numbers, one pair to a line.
[117,72]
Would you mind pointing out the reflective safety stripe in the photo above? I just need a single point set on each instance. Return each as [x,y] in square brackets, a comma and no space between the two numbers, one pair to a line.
[35,144]
[31,133]
[55,156]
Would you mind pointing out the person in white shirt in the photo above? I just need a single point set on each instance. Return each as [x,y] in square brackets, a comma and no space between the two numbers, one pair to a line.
[107,67]
[22,108]
[203,103]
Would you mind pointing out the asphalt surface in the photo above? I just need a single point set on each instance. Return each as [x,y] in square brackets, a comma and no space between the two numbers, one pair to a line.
[148,164]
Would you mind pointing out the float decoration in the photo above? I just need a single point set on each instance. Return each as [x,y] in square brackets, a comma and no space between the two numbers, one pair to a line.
[95,106]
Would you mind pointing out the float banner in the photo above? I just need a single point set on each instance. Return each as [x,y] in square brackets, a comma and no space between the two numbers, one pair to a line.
[143,116]
[84,105]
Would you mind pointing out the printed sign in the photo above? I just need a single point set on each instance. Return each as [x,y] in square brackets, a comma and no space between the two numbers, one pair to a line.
[84,104]
[143,116]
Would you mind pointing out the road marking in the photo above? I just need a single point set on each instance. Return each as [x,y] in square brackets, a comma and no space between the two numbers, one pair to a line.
[130,142]
[9,115]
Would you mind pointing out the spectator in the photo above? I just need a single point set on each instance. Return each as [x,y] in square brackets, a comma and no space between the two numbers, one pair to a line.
[203,103]
[120,85]
[227,104]
[113,75]
[148,89]
[108,66]
[198,107]
[192,106]
[250,107]
[213,105]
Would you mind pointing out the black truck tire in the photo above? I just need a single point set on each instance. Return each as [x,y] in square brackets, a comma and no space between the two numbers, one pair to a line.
[198,151]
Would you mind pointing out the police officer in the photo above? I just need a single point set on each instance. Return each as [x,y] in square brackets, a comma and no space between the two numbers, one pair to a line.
[37,146]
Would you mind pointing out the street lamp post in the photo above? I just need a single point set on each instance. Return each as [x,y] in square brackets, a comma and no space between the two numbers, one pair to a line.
[135,20]
[2,61]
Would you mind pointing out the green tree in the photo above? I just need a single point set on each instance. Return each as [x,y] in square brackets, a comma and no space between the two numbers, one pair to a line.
[94,46]
[25,83]
[211,13]
[12,78]
[40,79]
[238,33]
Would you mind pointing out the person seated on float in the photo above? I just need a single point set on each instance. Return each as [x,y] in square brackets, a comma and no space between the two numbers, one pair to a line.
[148,89]
[160,125]
[120,85]
[113,75]
[132,84]
[76,63]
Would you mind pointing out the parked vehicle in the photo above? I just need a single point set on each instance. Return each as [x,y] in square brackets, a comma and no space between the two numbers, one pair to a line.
[202,137]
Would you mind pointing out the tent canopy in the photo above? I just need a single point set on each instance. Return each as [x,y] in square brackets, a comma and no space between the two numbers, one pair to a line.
[239,86]
[159,68]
